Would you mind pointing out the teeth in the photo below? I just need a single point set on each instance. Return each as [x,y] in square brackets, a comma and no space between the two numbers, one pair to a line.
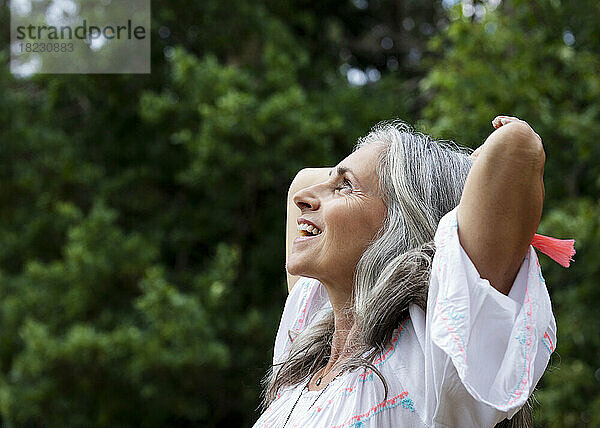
[308,229]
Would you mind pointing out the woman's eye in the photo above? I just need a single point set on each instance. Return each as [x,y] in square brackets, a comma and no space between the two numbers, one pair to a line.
[344,185]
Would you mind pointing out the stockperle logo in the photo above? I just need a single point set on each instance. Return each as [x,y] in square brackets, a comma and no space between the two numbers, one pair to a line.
[80,36]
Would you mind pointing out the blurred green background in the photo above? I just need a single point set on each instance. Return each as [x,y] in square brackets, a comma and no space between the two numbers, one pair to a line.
[142,216]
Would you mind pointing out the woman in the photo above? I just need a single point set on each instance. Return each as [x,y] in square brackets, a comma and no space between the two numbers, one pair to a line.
[386,325]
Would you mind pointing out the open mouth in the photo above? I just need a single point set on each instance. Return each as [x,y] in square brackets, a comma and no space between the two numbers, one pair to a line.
[308,230]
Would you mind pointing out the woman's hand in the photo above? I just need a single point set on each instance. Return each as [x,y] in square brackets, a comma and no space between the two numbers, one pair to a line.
[500,121]
[503,120]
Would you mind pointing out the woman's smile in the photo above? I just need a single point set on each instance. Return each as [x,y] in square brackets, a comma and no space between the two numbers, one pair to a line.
[307,230]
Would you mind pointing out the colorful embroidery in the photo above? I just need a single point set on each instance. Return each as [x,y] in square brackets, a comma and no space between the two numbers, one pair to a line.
[401,399]
[525,338]
[368,374]
[451,317]
[390,351]
[540,270]
[349,391]
[548,342]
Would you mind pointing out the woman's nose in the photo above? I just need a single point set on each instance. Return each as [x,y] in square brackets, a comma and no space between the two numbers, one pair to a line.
[307,199]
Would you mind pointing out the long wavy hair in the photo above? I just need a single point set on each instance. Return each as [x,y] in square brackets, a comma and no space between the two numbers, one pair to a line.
[420,180]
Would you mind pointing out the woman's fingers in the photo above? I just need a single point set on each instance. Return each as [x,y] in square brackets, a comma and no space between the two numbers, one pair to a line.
[496,123]
[503,120]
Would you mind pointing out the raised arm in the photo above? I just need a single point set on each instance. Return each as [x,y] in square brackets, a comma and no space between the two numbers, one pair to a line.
[502,201]
[305,178]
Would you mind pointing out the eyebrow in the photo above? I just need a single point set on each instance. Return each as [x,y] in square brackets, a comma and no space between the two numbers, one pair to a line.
[341,170]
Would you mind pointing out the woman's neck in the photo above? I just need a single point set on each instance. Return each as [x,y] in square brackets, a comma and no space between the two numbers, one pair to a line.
[343,339]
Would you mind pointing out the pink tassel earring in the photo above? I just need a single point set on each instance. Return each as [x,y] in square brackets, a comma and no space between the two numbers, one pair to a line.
[559,250]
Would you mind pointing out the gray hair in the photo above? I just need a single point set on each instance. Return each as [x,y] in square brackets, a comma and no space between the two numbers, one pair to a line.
[420,180]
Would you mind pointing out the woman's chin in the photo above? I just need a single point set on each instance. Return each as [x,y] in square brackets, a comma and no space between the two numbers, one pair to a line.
[296,267]
[293,270]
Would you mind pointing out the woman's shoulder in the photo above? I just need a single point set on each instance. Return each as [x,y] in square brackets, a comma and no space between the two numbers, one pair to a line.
[306,298]
[307,303]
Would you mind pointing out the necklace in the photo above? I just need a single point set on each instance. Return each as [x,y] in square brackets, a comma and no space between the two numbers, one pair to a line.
[320,378]
[317,383]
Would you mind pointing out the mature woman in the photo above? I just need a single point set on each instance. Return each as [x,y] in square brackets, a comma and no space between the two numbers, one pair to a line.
[420,301]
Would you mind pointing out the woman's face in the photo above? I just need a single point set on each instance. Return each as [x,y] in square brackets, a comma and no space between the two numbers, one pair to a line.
[347,211]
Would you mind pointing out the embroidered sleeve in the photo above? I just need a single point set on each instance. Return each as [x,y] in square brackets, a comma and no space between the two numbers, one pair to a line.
[496,346]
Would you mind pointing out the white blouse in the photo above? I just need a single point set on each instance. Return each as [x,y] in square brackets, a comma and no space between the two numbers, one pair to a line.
[471,360]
